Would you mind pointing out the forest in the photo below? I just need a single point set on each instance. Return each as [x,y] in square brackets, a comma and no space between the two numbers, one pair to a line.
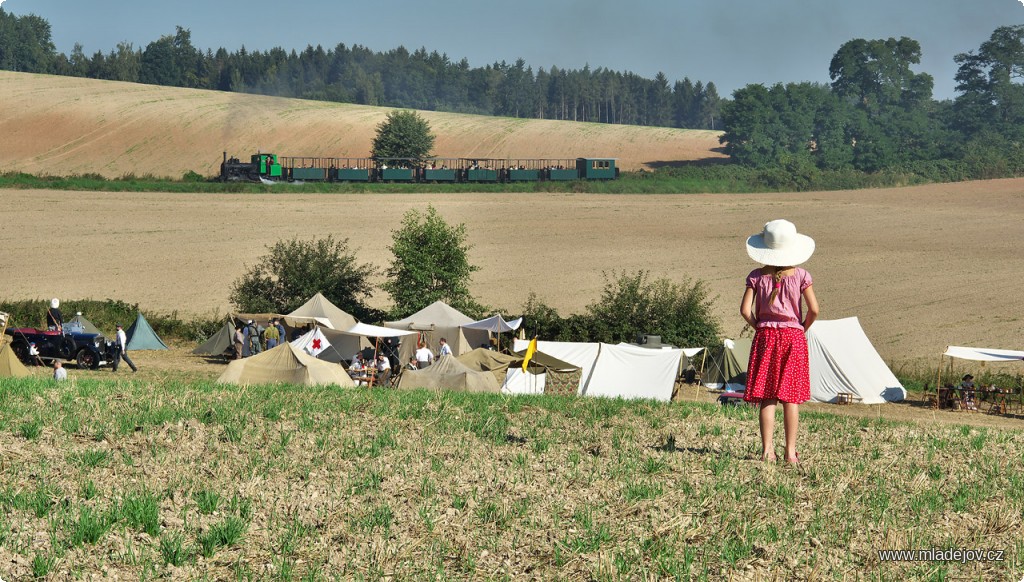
[395,78]
[877,114]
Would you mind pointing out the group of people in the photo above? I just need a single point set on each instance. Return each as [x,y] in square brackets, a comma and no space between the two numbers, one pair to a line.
[253,338]
[424,357]
[363,368]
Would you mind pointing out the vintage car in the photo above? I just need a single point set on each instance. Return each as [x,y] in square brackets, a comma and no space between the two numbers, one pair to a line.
[88,350]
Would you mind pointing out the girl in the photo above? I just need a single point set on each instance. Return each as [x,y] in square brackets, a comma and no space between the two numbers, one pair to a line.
[778,370]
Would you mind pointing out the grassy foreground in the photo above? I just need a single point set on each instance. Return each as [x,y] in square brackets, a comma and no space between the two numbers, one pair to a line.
[177,479]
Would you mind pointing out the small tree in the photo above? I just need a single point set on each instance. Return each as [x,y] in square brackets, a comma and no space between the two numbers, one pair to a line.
[295,270]
[404,134]
[431,263]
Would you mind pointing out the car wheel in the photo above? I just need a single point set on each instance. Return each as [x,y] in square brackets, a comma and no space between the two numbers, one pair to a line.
[67,347]
[87,359]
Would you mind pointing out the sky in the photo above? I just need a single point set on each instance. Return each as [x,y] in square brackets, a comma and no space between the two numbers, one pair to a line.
[729,42]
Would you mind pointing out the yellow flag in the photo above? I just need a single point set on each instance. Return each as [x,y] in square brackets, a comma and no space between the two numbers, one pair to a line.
[529,353]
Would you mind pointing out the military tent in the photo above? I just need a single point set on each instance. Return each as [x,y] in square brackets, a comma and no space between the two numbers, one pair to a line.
[545,374]
[320,307]
[85,324]
[725,366]
[284,364]
[435,321]
[10,365]
[142,337]
[219,343]
[842,359]
[447,373]
[617,371]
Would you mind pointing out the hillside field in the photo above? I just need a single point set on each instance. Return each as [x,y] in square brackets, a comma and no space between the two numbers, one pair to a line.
[64,125]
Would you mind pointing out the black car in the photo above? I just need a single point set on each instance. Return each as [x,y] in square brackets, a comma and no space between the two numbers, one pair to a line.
[88,350]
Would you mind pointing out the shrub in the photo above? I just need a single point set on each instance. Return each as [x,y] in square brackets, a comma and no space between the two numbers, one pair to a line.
[295,270]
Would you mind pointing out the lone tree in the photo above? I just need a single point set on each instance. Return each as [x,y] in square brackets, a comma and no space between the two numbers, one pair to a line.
[404,134]
[295,270]
[430,264]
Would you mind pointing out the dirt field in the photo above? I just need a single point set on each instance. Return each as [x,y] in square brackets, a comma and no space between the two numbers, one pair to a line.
[63,125]
[921,267]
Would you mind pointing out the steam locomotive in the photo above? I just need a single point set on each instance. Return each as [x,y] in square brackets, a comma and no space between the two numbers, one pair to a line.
[270,167]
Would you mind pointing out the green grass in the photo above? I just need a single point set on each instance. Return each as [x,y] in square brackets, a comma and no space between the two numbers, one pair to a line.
[684,179]
[356,484]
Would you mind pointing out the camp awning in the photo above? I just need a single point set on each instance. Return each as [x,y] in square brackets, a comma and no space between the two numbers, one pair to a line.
[495,324]
[983,354]
[367,330]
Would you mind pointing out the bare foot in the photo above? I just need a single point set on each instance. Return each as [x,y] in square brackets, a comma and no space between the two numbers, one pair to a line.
[794,460]
[769,457]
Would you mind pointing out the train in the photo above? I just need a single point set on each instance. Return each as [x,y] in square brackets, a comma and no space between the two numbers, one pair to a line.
[266,166]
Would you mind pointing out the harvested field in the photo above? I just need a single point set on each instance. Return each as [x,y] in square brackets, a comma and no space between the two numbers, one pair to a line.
[181,480]
[63,125]
[922,267]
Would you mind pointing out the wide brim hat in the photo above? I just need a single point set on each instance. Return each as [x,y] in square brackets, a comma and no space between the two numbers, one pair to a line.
[780,245]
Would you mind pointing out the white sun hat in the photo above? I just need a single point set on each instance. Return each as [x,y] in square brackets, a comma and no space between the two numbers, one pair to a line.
[780,245]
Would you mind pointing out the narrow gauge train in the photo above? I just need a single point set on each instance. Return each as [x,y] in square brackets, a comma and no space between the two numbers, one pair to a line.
[432,170]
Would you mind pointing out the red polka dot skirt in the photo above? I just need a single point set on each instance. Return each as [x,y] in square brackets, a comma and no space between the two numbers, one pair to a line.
[778,366]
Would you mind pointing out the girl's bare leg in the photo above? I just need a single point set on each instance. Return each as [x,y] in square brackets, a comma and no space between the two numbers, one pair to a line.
[791,421]
[768,429]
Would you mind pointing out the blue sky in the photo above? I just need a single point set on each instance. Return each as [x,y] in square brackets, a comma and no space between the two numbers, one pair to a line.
[729,42]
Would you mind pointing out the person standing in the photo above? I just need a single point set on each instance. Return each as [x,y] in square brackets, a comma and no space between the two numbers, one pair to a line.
[239,342]
[59,373]
[424,357]
[54,318]
[280,331]
[778,368]
[121,350]
[271,336]
[445,350]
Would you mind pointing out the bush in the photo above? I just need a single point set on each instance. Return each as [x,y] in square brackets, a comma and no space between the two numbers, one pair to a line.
[631,305]
[295,270]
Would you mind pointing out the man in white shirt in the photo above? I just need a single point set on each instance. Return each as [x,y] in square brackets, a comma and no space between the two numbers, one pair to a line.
[446,350]
[59,373]
[424,357]
[121,350]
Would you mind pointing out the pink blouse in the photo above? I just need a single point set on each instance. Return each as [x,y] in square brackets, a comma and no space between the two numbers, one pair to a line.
[786,310]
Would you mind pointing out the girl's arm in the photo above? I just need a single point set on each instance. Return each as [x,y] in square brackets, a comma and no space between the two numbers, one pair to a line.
[746,307]
[812,307]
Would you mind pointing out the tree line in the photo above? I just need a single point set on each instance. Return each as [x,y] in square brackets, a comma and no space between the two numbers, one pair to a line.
[878,114]
[394,78]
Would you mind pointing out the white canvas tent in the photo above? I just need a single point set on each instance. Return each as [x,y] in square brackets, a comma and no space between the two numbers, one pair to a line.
[617,371]
[842,359]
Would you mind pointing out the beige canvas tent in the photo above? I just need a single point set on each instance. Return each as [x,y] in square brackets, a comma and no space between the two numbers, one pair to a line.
[435,321]
[448,373]
[10,365]
[284,364]
[320,307]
